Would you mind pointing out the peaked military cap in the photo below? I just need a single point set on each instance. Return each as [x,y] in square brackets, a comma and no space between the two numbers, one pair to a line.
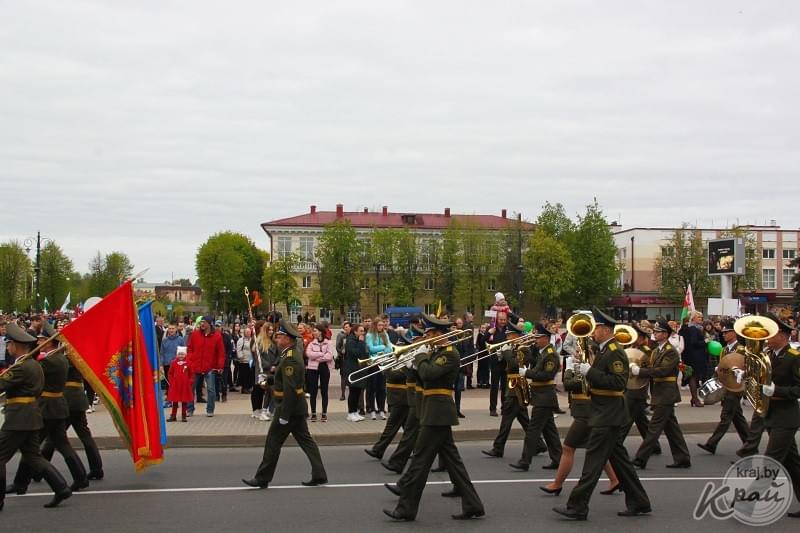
[782,326]
[602,319]
[415,330]
[17,334]
[663,326]
[287,329]
[727,325]
[430,322]
[540,331]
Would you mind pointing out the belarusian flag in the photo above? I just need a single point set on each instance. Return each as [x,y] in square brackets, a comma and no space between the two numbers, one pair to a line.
[688,303]
[107,346]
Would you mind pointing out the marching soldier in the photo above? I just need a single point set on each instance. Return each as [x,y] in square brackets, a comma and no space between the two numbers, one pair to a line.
[545,402]
[662,369]
[290,414]
[437,372]
[732,401]
[22,383]
[55,413]
[783,415]
[636,398]
[398,407]
[607,378]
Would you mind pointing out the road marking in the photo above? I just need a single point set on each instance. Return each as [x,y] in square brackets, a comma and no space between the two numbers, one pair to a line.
[337,486]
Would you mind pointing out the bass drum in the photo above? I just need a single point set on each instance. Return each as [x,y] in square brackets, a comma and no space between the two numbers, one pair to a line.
[711,392]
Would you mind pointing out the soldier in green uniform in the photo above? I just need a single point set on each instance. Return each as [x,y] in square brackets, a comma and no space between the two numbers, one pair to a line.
[662,369]
[636,397]
[544,403]
[397,399]
[22,383]
[78,404]
[290,413]
[783,414]
[55,413]
[607,378]
[437,372]
[732,401]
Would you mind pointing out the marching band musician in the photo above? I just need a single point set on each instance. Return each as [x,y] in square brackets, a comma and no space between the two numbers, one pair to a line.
[437,370]
[545,402]
[607,378]
[636,399]
[783,415]
[732,401]
[662,369]
[290,414]
[512,409]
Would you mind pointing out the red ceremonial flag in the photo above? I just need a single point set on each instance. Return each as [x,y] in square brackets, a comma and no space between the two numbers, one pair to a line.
[107,346]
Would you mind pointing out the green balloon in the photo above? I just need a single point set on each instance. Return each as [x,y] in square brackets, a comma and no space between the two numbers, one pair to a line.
[528,327]
[714,348]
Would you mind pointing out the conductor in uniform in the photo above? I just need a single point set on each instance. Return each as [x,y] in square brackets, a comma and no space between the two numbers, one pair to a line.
[607,378]
[290,413]
[22,383]
[437,370]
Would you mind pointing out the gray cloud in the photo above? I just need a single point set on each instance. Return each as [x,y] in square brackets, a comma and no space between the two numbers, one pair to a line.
[146,126]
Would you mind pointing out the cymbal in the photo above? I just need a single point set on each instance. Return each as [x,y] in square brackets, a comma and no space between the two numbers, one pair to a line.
[725,372]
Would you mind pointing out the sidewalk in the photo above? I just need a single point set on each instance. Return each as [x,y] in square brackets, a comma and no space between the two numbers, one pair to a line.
[232,425]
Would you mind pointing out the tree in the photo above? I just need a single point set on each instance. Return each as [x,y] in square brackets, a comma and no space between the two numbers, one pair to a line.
[55,272]
[511,277]
[553,221]
[107,272]
[16,276]
[683,261]
[279,282]
[339,266]
[549,269]
[479,253]
[404,282]
[445,259]
[229,261]
[595,255]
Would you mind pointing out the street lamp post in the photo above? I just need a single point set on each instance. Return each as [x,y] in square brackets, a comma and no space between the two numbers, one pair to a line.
[224,291]
[37,269]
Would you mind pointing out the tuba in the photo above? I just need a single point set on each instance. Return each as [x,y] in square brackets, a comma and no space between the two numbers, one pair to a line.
[581,326]
[757,367]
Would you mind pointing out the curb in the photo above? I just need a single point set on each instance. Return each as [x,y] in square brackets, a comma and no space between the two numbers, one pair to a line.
[342,439]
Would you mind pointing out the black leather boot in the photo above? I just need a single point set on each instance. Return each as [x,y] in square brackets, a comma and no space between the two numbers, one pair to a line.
[57,484]
[78,472]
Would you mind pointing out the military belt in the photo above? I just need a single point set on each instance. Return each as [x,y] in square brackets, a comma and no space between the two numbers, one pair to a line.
[606,392]
[666,379]
[437,392]
[542,383]
[395,386]
[279,393]
[48,394]
[581,397]
[417,388]
[411,386]
[76,384]
[20,399]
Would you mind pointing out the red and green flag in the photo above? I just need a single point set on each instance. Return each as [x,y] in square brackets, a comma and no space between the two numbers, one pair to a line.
[688,303]
[107,346]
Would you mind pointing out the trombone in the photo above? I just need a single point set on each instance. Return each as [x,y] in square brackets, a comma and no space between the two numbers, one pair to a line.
[399,356]
[491,349]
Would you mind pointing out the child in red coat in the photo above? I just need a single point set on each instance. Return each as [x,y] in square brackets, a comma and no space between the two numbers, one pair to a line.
[180,385]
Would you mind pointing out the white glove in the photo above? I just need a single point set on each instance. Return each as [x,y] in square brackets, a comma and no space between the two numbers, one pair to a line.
[570,362]
[768,390]
[410,363]
[422,350]
[584,368]
[739,373]
[282,421]
[634,369]
[522,370]
[506,348]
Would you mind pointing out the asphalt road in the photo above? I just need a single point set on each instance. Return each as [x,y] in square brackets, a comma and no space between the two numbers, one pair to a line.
[200,490]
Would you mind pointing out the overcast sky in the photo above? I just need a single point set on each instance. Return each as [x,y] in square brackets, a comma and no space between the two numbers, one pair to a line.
[147,126]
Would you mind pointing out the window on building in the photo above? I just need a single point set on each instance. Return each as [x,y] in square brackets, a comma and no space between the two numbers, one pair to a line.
[768,253]
[296,308]
[428,284]
[491,285]
[789,253]
[667,251]
[284,247]
[788,274]
[306,282]
[306,248]
[430,309]
[768,278]
[364,283]
[354,317]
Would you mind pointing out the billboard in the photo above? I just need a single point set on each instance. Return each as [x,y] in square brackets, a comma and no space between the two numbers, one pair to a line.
[726,257]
